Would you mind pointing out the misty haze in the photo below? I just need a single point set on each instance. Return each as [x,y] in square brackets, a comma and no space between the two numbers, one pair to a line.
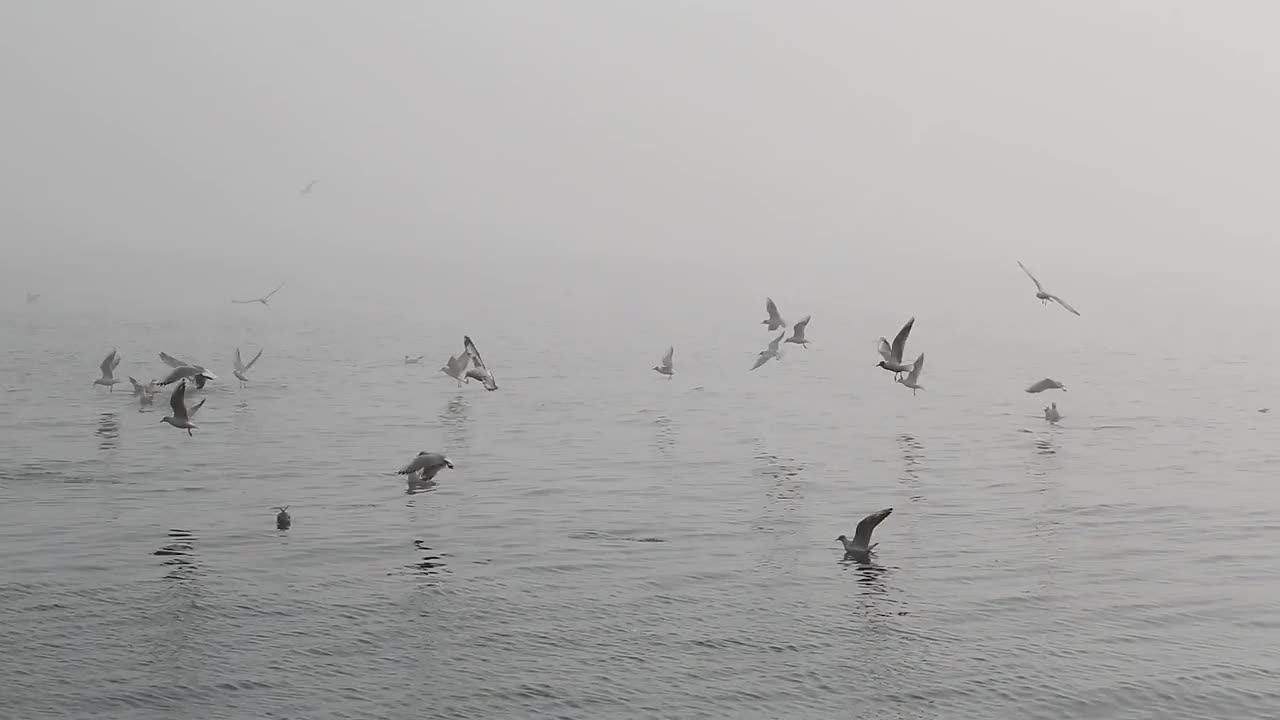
[413,360]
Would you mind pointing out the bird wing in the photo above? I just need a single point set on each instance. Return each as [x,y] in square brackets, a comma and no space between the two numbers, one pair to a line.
[666,359]
[249,367]
[192,412]
[900,340]
[238,362]
[764,358]
[178,373]
[772,309]
[914,375]
[273,292]
[773,344]
[489,382]
[172,361]
[1063,303]
[862,536]
[885,350]
[797,330]
[176,401]
[107,365]
[1041,385]
[137,386]
[1039,287]
[116,363]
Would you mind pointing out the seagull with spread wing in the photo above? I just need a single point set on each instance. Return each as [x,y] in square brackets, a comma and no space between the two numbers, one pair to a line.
[108,368]
[242,370]
[892,354]
[797,333]
[859,548]
[774,321]
[1044,295]
[771,352]
[180,419]
[262,299]
[912,380]
[456,367]
[666,368]
[479,371]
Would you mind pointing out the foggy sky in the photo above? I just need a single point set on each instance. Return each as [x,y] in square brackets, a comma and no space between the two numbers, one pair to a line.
[1073,136]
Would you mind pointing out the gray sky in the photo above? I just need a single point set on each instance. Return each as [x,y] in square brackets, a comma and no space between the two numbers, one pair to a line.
[1068,135]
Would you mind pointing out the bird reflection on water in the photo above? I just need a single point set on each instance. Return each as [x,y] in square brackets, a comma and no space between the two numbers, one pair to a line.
[108,430]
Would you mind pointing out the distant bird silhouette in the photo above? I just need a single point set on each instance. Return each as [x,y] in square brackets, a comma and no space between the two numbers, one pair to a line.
[307,190]
[1044,295]
[262,299]
[33,297]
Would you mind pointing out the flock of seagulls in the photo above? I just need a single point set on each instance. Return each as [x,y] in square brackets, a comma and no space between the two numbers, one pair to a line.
[424,467]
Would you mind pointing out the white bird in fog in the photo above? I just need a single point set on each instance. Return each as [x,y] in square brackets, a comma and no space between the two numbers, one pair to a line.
[1051,413]
[180,419]
[108,367]
[912,380]
[144,393]
[456,366]
[770,352]
[262,299]
[774,321]
[198,374]
[1044,295]
[666,367]
[860,546]
[892,354]
[1046,384]
[242,371]
[479,371]
[413,360]
[307,190]
[797,333]
[427,464]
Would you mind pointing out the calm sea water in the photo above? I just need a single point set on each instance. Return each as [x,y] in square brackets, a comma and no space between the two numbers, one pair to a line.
[615,545]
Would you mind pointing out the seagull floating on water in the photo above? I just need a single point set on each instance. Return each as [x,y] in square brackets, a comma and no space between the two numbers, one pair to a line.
[770,352]
[860,546]
[912,380]
[479,371]
[1051,413]
[666,367]
[892,354]
[242,371]
[1046,384]
[262,299]
[283,520]
[427,464]
[108,366]
[456,367]
[797,333]
[1045,296]
[180,419]
[774,321]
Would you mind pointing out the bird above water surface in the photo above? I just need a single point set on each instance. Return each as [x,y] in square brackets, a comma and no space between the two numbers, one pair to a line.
[860,546]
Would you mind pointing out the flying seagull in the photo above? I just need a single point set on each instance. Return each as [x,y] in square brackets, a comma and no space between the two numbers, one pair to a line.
[797,332]
[33,297]
[199,375]
[771,352]
[427,464]
[283,520]
[108,366]
[262,299]
[774,321]
[1051,413]
[860,546]
[1046,384]
[479,371]
[1044,295]
[307,190]
[180,418]
[456,366]
[666,367]
[413,360]
[892,354]
[912,380]
[241,372]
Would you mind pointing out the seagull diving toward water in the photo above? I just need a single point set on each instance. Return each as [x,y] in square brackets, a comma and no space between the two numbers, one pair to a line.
[770,352]
[283,520]
[774,321]
[180,418]
[479,371]
[797,333]
[202,375]
[666,367]
[912,380]
[1046,384]
[427,464]
[307,190]
[262,299]
[1044,295]
[241,372]
[892,354]
[456,367]
[108,366]
[1051,413]
[859,548]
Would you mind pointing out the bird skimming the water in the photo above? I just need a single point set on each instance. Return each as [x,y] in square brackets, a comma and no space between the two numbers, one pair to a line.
[180,419]
[456,367]
[479,371]
[1051,413]
[859,548]
[108,367]
[912,380]
[426,464]
[242,371]
[1046,384]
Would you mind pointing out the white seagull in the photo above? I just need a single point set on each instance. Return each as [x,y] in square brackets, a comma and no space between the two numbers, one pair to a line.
[1044,295]
[770,352]
[860,546]
[262,299]
[892,354]
[912,380]
[108,366]
[180,419]
[456,367]
[427,464]
[797,333]
[144,393]
[774,321]
[242,371]
[666,367]
[197,373]
[1051,413]
[1046,384]
[479,371]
